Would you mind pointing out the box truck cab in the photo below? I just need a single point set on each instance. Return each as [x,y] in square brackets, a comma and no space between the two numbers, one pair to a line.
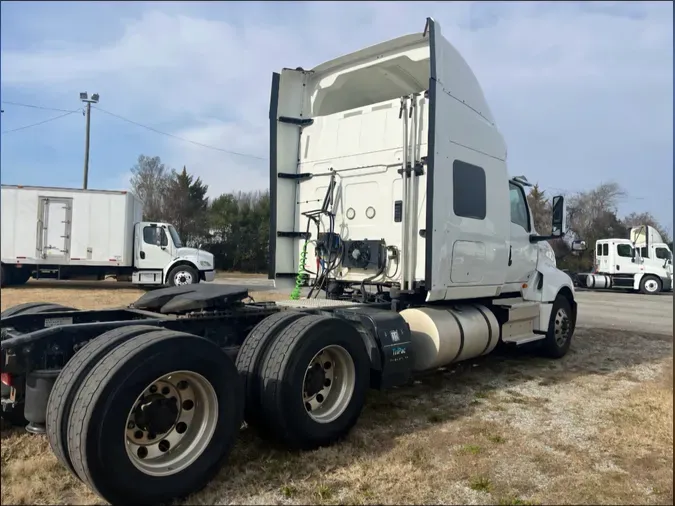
[643,262]
[71,233]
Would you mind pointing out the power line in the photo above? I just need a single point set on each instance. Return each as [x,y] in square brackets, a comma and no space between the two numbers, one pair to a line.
[39,122]
[179,138]
[38,107]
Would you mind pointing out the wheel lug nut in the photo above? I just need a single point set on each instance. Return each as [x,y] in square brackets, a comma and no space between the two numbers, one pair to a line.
[164,445]
[153,389]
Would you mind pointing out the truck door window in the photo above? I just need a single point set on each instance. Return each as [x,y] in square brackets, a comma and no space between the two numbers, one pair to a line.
[663,254]
[469,198]
[519,213]
[624,250]
[155,236]
[605,249]
[599,250]
[643,252]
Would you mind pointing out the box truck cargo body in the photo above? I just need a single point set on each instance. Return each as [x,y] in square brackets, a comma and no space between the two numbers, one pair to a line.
[56,226]
[71,233]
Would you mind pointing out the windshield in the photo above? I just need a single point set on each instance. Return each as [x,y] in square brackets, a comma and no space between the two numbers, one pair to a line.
[176,238]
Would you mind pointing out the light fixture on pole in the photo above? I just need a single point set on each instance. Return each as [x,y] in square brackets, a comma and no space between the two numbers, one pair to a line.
[84,97]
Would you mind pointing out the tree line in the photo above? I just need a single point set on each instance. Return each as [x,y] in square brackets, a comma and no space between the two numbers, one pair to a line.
[235,226]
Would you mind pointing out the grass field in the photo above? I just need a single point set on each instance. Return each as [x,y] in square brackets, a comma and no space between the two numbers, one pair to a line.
[595,427]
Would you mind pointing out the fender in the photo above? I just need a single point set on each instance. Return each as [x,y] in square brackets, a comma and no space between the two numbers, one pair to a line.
[544,285]
[181,260]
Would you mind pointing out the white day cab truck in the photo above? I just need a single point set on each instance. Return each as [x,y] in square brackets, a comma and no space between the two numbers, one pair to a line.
[67,233]
[643,262]
[390,193]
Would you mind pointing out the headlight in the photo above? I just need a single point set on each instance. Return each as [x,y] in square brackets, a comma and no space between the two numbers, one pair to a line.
[204,263]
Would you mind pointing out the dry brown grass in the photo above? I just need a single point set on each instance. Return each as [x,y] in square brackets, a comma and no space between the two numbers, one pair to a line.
[595,427]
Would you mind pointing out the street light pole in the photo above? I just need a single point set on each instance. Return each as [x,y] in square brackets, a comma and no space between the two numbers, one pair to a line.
[93,100]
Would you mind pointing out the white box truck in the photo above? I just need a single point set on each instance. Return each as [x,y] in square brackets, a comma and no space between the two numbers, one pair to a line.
[643,262]
[71,233]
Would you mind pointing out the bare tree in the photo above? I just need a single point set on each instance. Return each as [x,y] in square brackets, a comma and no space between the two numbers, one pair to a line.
[150,182]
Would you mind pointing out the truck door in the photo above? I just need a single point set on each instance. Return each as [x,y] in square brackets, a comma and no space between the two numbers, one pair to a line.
[153,249]
[602,257]
[522,253]
[624,263]
[53,228]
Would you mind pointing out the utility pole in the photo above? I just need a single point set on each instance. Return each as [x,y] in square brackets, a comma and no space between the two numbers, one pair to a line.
[93,100]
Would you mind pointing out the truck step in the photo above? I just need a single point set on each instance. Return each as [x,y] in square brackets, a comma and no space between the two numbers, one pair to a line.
[522,314]
[147,277]
[518,340]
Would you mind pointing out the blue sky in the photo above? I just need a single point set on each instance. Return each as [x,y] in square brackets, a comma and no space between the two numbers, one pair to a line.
[582,91]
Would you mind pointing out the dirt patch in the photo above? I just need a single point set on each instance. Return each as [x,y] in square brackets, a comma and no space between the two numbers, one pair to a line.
[512,428]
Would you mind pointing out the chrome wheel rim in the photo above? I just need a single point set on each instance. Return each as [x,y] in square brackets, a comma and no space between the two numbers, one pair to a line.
[171,423]
[561,327]
[182,278]
[651,285]
[329,384]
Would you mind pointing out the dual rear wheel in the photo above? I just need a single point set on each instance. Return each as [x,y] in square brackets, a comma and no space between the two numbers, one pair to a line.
[161,408]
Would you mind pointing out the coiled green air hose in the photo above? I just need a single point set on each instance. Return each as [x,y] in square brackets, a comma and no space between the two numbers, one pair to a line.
[295,294]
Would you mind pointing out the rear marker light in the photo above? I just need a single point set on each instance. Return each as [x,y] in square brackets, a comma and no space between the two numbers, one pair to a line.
[6,379]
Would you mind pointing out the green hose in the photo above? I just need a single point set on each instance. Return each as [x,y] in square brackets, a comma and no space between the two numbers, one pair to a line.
[295,294]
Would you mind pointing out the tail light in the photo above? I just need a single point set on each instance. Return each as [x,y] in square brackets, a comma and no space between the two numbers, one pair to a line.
[6,379]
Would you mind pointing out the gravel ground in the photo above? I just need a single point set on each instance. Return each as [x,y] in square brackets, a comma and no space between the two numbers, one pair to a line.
[595,427]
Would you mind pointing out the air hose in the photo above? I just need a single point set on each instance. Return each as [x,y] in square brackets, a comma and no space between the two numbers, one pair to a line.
[295,294]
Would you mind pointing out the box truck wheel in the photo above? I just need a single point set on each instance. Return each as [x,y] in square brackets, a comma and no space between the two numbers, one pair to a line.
[560,329]
[153,420]
[250,357]
[650,285]
[71,377]
[314,381]
[183,275]
[34,308]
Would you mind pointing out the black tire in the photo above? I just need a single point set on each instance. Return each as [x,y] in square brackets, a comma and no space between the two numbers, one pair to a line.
[561,324]
[283,370]
[250,357]
[647,282]
[71,377]
[171,278]
[99,415]
[34,308]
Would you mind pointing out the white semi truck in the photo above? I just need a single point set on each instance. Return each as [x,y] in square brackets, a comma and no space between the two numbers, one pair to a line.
[390,191]
[70,233]
[643,262]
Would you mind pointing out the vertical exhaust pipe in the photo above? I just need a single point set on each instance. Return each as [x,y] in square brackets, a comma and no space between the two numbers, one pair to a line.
[403,257]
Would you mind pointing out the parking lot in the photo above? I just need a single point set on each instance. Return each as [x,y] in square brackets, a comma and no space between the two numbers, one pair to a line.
[511,428]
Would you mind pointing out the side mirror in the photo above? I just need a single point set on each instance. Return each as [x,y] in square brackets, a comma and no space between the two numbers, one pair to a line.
[579,246]
[558,217]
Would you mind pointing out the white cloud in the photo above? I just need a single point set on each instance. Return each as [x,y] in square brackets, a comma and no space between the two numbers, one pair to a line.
[575,87]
